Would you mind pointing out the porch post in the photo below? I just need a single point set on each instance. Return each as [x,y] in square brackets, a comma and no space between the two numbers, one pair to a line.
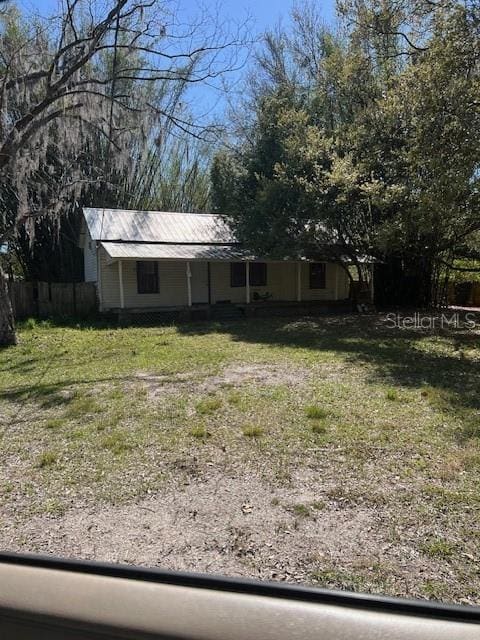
[209,281]
[247,281]
[189,284]
[120,282]
[99,277]
[299,281]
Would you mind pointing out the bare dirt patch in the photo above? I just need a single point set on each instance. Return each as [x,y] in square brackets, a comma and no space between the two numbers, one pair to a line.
[231,376]
[235,525]
[240,525]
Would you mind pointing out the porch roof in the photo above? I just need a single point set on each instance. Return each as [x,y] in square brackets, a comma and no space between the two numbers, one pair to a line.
[209,252]
[162,251]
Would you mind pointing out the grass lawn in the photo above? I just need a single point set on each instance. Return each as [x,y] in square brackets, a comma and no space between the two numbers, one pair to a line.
[334,451]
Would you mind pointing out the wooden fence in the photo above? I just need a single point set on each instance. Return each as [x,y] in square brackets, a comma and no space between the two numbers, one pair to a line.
[44,299]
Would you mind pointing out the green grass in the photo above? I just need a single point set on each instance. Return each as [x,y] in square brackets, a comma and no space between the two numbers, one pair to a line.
[307,510]
[54,507]
[199,432]
[253,431]
[301,510]
[392,394]
[117,442]
[315,413]
[438,548]
[341,579]
[379,419]
[81,405]
[208,406]
[47,459]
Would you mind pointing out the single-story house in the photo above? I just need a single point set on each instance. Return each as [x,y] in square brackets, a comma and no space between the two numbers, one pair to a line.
[162,260]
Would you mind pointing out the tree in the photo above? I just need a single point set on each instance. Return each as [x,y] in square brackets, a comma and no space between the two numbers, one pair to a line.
[291,184]
[368,140]
[56,98]
[427,127]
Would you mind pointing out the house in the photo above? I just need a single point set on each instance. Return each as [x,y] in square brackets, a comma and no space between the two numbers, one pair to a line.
[166,261]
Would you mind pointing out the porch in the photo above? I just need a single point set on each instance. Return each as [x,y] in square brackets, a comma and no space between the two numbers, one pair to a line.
[211,287]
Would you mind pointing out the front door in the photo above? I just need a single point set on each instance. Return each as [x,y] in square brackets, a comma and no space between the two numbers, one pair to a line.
[199,281]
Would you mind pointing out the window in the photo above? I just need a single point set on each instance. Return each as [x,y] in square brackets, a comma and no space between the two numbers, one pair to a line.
[317,275]
[238,274]
[147,277]
[258,274]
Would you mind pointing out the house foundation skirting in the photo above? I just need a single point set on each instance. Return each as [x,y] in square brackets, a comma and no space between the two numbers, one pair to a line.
[230,311]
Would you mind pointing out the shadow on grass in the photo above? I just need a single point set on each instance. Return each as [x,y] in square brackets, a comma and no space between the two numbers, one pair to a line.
[50,395]
[398,356]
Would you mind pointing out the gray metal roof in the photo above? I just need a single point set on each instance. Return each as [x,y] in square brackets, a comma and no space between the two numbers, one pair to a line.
[154,251]
[167,235]
[156,226]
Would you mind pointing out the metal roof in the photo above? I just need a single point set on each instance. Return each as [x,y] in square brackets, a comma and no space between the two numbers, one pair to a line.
[156,251]
[156,226]
[166,235]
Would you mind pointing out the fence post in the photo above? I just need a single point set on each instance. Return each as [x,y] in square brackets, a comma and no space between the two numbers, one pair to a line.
[36,297]
[74,298]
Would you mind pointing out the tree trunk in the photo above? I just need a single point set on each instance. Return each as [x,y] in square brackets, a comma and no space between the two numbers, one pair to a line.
[7,321]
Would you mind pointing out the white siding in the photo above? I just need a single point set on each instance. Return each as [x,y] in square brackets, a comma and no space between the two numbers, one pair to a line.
[336,281]
[172,286]
[89,258]
[108,282]
[172,289]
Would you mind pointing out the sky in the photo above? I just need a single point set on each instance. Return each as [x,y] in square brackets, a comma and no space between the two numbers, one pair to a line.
[262,14]
[265,13]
